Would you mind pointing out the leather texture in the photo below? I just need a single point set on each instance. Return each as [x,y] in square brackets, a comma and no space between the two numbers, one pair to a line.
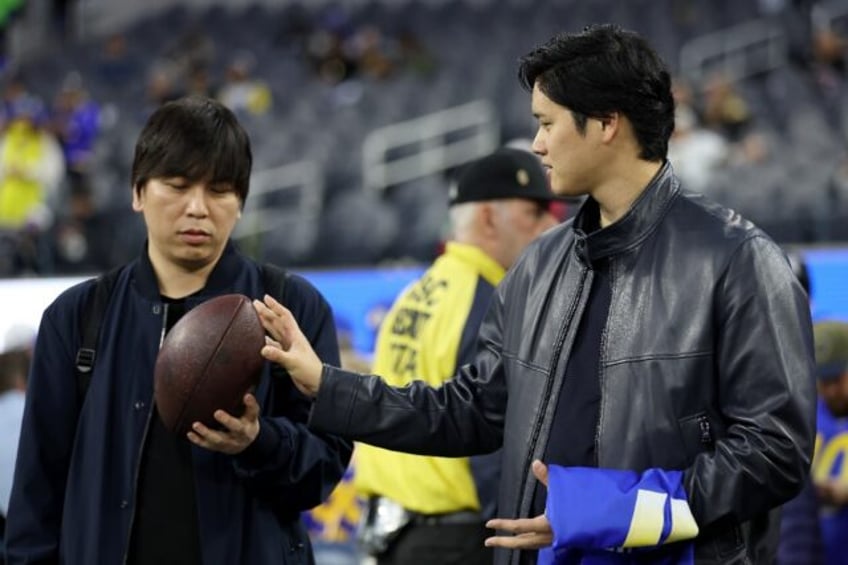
[706,366]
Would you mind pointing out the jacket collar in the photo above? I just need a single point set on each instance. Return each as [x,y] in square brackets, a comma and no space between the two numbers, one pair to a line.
[472,255]
[220,279]
[643,216]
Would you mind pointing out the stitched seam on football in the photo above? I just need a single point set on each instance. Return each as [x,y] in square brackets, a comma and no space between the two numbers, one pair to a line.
[204,374]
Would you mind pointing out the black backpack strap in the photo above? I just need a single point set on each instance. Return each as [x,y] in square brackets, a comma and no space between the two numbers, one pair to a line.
[92,317]
[274,279]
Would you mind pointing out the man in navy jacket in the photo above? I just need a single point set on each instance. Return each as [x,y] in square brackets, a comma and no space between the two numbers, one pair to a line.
[99,479]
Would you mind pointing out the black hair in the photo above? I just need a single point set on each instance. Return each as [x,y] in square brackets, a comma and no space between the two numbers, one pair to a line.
[606,69]
[197,138]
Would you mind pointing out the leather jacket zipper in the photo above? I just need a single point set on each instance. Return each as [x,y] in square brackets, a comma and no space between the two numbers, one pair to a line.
[141,447]
[560,342]
[706,432]
[596,456]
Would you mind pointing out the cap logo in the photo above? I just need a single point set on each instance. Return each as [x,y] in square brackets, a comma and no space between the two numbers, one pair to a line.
[522,177]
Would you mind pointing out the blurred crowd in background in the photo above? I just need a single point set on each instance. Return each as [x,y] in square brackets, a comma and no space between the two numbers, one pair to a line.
[310,80]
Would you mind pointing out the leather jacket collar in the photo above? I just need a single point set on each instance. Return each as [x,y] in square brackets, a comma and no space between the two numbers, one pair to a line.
[633,227]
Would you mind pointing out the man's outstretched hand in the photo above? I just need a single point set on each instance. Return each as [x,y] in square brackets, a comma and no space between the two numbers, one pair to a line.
[288,347]
[527,533]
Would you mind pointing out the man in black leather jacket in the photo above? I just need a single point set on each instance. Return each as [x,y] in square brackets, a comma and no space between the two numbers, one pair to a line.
[658,331]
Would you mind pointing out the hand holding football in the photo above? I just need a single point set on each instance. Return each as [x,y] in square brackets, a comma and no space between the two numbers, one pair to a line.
[208,361]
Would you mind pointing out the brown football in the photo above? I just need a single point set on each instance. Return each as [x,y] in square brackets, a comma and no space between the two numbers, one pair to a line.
[208,361]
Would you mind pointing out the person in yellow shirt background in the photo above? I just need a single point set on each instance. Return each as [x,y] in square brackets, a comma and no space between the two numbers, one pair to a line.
[433,509]
[32,168]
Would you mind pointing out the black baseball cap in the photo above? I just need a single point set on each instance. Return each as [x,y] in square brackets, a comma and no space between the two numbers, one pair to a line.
[506,173]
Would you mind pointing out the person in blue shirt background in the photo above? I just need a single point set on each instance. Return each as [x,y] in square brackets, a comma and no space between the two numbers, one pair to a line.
[830,468]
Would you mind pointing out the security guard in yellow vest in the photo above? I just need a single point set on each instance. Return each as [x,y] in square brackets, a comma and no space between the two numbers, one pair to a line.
[431,509]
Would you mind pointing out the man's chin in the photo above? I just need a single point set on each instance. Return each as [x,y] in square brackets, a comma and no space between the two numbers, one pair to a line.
[567,192]
[194,261]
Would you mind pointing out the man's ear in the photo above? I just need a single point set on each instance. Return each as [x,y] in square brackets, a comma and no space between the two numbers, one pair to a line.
[137,202]
[610,124]
[486,216]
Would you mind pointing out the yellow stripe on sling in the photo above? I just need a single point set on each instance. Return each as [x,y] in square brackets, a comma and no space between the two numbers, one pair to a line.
[683,525]
[646,525]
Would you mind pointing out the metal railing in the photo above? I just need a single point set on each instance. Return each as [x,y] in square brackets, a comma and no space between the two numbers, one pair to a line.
[430,144]
[738,52]
[285,201]
[832,14]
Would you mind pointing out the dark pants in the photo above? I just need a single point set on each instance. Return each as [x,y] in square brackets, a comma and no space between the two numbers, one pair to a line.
[449,544]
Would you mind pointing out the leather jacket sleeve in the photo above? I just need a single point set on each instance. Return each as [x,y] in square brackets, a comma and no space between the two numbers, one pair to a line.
[766,390]
[462,417]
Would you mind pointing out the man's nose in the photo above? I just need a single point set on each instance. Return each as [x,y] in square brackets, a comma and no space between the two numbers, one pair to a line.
[538,146]
[196,205]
